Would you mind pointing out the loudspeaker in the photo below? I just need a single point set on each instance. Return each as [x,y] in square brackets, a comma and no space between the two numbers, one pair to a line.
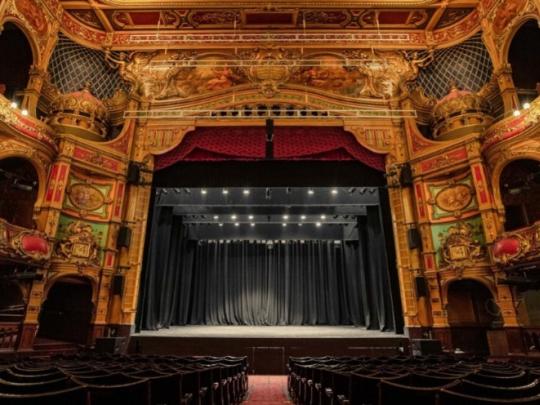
[117,284]
[269,129]
[422,347]
[413,238]
[134,173]
[405,176]
[124,237]
[269,150]
[111,345]
[421,286]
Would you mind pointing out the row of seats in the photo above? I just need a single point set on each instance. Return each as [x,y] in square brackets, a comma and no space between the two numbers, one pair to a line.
[419,380]
[105,379]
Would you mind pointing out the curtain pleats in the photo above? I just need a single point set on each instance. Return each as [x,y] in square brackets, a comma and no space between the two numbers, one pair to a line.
[312,282]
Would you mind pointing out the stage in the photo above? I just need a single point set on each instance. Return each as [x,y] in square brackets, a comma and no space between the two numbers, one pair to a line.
[268,347]
[297,332]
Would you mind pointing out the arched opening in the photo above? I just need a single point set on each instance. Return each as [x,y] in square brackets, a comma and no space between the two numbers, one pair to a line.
[471,312]
[524,57]
[15,48]
[67,312]
[18,191]
[520,193]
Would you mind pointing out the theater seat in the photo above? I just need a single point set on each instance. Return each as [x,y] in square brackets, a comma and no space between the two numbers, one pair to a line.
[449,397]
[70,396]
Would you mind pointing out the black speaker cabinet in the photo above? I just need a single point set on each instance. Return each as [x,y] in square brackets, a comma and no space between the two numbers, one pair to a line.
[114,345]
[117,284]
[421,286]
[134,173]
[405,176]
[413,238]
[422,347]
[269,129]
[124,237]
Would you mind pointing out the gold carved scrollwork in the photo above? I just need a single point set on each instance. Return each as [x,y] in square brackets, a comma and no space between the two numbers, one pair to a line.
[459,248]
[454,198]
[79,246]
[161,139]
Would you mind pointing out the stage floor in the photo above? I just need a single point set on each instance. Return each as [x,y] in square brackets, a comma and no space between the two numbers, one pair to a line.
[237,331]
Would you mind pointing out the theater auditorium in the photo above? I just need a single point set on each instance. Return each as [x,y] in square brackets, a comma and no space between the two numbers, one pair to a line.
[269,202]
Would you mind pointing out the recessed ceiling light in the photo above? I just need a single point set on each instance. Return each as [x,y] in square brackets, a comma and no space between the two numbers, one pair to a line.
[300,224]
[220,224]
[236,224]
[252,224]
[285,217]
[334,191]
[318,224]
[303,217]
[284,224]
[246,191]
[233,217]
[203,191]
[323,217]
[310,191]
[216,216]
[250,217]
[225,191]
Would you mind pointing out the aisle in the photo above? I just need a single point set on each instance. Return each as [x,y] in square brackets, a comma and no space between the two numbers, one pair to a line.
[267,390]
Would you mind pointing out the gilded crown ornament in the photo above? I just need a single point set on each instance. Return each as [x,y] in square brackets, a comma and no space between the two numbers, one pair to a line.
[459,113]
[79,113]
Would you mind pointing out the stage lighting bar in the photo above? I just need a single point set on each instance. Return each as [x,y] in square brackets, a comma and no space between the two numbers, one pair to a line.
[304,113]
[171,39]
[270,219]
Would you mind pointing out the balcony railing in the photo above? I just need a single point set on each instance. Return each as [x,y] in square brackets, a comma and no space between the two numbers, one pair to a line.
[519,246]
[22,244]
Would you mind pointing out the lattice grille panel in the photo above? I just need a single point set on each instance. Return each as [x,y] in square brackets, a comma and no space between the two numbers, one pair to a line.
[73,65]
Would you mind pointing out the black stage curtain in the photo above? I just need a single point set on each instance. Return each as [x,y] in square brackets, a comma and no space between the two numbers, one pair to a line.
[315,282]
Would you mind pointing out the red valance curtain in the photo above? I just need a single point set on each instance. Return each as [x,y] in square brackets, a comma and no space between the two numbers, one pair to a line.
[290,143]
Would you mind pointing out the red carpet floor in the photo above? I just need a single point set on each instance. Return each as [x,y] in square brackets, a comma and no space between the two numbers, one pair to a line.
[267,390]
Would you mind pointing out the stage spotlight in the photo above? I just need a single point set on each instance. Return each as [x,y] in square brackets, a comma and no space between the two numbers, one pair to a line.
[285,217]
[334,191]
[310,191]
[302,217]
[318,224]
[233,217]
[24,112]
[216,216]
[224,191]
[246,191]
[323,217]
[250,217]
[236,224]
[203,191]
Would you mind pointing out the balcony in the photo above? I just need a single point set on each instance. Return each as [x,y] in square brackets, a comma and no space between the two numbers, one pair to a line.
[518,247]
[18,244]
